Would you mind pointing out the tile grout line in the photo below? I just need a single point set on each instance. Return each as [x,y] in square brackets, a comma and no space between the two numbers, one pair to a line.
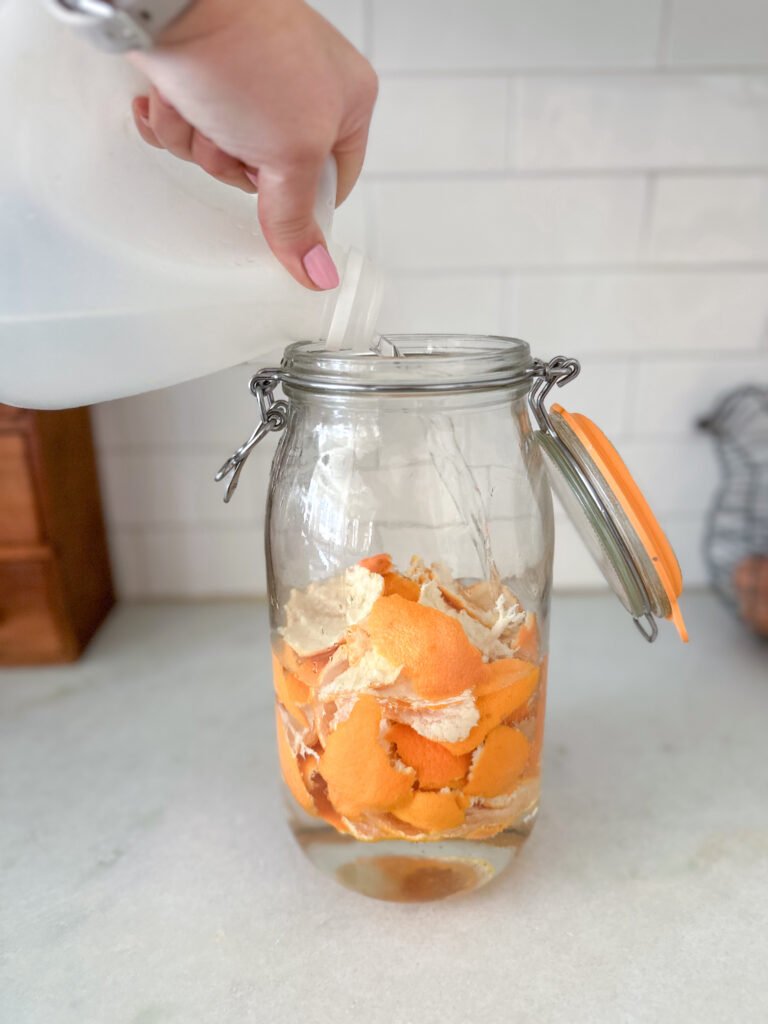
[587,70]
[438,175]
[662,42]
[759,267]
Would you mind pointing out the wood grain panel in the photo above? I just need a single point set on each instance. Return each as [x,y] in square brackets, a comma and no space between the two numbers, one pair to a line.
[55,581]
[19,519]
[30,629]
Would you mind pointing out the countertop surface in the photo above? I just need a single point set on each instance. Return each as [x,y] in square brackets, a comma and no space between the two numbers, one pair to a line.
[149,878]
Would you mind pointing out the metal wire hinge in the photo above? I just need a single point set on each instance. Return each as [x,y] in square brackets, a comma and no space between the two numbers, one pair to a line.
[557,371]
[274,416]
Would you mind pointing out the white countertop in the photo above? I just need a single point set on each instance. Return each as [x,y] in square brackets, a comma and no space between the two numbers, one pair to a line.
[149,877]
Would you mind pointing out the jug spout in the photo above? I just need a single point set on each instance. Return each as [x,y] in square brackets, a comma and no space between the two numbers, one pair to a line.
[355,313]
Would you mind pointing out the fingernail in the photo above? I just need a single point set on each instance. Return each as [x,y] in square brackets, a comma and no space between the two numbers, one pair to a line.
[321,268]
[252,176]
[144,120]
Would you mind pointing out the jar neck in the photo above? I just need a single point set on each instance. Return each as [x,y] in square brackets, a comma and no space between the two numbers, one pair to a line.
[322,405]
[418,365]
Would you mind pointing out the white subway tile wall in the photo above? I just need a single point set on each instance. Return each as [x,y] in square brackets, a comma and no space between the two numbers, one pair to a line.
[716,34]
[590,176]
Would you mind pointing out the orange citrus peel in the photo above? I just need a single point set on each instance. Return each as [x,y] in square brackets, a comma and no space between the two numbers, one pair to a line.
[356,767]
[499,763]
[345,759]
[291,692]
[432,812]
[435,766]
[432,648]
[292,774]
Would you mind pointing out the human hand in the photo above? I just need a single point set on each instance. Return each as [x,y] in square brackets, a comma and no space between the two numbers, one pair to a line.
[259,93]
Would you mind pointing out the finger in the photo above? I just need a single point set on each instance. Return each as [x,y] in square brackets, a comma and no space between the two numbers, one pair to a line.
[140,108]
[349,158]
[286,202]
[219,164]
[170,128]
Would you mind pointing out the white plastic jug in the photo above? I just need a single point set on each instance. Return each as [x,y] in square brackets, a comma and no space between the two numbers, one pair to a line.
[123,269]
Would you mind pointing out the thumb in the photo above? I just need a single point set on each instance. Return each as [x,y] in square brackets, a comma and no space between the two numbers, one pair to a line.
[286,215]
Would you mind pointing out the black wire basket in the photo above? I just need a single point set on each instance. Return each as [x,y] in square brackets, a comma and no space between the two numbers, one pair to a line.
[736,536]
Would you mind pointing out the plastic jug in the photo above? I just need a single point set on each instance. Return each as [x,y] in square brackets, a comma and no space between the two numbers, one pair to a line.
[123,269]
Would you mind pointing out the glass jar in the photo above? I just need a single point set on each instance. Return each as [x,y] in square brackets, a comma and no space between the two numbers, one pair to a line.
[409,556]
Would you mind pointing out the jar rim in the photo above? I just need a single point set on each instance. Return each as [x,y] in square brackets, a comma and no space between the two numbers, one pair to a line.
[410,364]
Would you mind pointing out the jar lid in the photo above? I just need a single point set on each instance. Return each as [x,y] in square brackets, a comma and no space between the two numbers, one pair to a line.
[607,508]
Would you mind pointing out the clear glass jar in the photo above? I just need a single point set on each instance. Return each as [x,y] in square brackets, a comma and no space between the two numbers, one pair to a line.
[409,556]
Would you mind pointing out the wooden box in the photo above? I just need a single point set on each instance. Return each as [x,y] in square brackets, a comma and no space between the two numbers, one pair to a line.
[55,581]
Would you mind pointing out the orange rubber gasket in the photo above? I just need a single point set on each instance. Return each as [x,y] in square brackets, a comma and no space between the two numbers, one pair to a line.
[639,513]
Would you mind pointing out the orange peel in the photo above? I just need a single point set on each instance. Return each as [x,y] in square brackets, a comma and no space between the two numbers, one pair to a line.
[291,692]
[307,670]
[503,703]
[476,736]
[499,763]
[357,769]
[435,766]
[292,774]
[432,647]
[324,807]
[396,583]
[382,564]
[432,812]
[509,673]
[497,704]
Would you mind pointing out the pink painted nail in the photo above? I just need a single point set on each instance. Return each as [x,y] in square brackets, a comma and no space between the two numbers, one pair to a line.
[321,268]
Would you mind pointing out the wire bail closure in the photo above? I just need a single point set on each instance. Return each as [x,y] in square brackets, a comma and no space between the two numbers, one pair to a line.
[274,416]
[558,371]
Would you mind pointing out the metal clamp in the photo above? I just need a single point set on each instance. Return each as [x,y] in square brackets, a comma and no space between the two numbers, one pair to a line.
[558,371]
[274,416]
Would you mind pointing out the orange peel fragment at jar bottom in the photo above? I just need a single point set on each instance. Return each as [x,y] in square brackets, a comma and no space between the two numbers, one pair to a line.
[432,812]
